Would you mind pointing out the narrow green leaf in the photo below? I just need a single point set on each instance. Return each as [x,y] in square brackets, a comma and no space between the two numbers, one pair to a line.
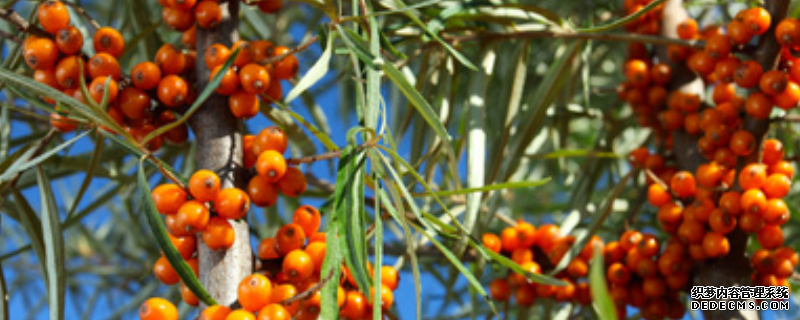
[207,92]
[378,254]
[601,300]
[3,295]
[348,205]
[323,138]
[491,187]
[54,247]
[32,225]
[28,163]
[24,152]
[87,180]
[419,102]
[162,237]
[331,265]
[138,153]
[508,263]
[317,71]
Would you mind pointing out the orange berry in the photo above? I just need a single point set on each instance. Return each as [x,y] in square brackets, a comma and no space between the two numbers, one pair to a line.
[777,186]
[298,265]
[782,167]
[241,314]
[715,245]
[158,309]
[243,105]
[164,272]
[271,138]
[216,312]
[788,33]
[204,185]
[316,250]
[308,218]
[492,242]
[170,60]
[509,239]
[216,55]
[232,203]
[146,75]
[293,182]
[189,38]
[168,198]
[742,143]
[273,311]
[104,64]
[657,195]
[134,103]
[285,291]
[630,239]
[97,89]
[287,67]
[773,82]
[753,176]
[770,237]
[62,123]
[193,214]
[41,53]
[748,74]
[290,237]
[188,296]
[53,16]
[753,201]
[271,165]
[254,78]
[777,212]
[683,184]
[173,91]
[229,83]
[546,236]
[688,29]
[725,68]
[262,192]
[721,221]
[219,234]
[207,14]
[718,46]
[618,274]
[757,19]
[69,40]
[739,33]
[788,98]
[110,41]
[180,20]
[186,246]
[772,152]
[267,249]
[355,306]
[691,231]
[758,105]
[254,292]
[750,222]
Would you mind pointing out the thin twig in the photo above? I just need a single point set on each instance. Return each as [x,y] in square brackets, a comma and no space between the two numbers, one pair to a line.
[305,294]
[301,47]
[10,37]
[84,14]
[39,148]
[23,25]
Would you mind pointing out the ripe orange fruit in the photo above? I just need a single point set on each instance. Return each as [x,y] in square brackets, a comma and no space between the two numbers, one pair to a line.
[773,151]
[216,55]
[219,234]
[267,249]
[232,203]
[290,237]
[271,138]
[109,40]
[170,60]
[499,289]
[308,218]
[274,312]
[777,186]
[254,292]
[240,314]
[262,192]
[69,40]
[216,312]
[186,246]
[173,91]
[180,20]
[193,214]
[492,242]
[298,265]
[183,5]
[243,105]
[316,250]
[287,67]
[271,165]
[158,309]
[748,74]
[53,16]
[230,81]
[207,14]
[683,184]
[188,296]
[97,89]
[41,53]
[164,272]
[293,183]
[355,306]
[204,185]
[168,198]
[254,78]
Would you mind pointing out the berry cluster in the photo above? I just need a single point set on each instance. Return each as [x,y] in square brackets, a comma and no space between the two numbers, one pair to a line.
[184,15]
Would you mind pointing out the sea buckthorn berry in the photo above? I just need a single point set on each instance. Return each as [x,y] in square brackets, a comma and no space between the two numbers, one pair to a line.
[208,14]
[249,158]
[688,29]
[110,41]
[316,250]
[274,312]
[158,309]
[185,5]
[254,78]
[146,75]
[758,105]
[772,152]
[678,53]
[270,6]
[293,183]
[271,138]
[188,296]
[177,135]
[267,249]
[492,242]
[777,185]
[53,16]
[691,231]
[177,229]
[730,202]
[62,123]
[179,20]
[660,73]
[254,292]
[164,272]
[271,165]
[715,245]
[683,184]
[748,74]
[546,236]
[499,289]
[216,312]
[204,185]
[710,174]
[186,246]
[262,192]
[526,233]
[290,237]
[657,195]
[742,143]
[702,63]
[168,198]
[245,55]
[670,213]
[287,67]
[723,92]
[355,306]
[286,291]
[241,314]
[104,64]
[638,156]
[243,105]
[788,98]
[318,237]
[134,103]
[69,40]
[725,68]
[170,60]
[219,234]
[630,239]
[578,267]
[718,46]
[773,82]
[770,237]
[721,221]
[757,19]
[298,265]
[739,33]
[618,274]
[193,214]
[308,218]
[637,73]
[788,33]
[753,201]
[173,91]
[783,167]
[216,55]
[189,38]
[41,54]
[750,222]
[509,239]
[260,49]
[47,77]
[232,203]
[777,212]
[753,176]
[229,83]
[97,89]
